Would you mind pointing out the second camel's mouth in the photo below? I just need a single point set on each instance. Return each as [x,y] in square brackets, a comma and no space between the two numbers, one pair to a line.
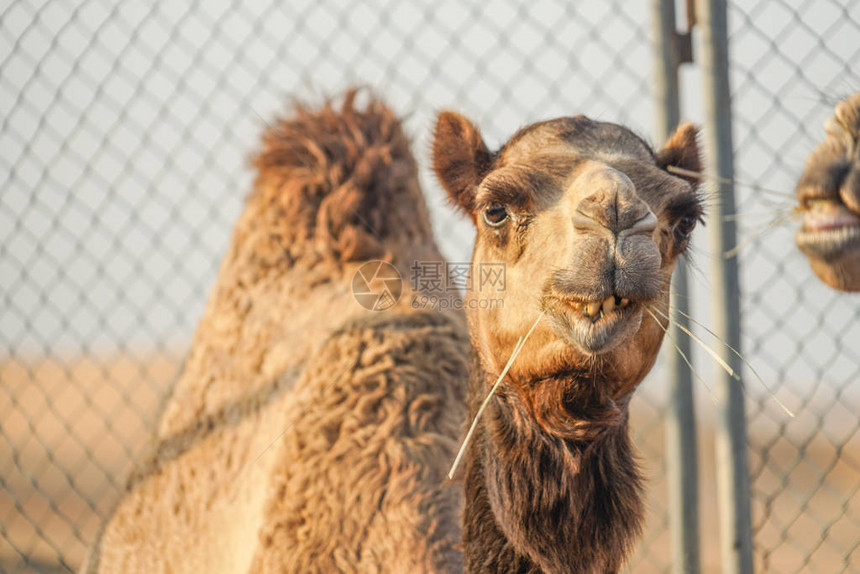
[829,230]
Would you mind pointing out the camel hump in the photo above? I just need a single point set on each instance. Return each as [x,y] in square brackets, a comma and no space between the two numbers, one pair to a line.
[341,176]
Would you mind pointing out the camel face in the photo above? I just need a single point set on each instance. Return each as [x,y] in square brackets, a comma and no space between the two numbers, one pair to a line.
[829,197]
[588,225]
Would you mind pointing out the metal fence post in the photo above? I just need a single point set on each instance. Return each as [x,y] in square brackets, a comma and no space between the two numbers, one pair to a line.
[731,439]
[670,50]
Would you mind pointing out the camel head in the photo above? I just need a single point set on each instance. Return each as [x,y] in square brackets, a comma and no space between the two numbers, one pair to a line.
[829,197]
[588,224]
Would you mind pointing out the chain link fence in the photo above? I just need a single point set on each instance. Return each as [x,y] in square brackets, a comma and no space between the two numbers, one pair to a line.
[791,62]
[126,129]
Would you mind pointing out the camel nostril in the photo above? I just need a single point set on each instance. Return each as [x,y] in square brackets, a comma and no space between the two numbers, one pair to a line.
[647,223]
[617,212]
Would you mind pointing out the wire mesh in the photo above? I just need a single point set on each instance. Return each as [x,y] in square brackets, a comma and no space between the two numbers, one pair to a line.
[125,133]
[791,62]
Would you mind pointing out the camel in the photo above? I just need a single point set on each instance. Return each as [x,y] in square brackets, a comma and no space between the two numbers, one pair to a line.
[589,224]
[307,433]
[310,434]
[829,196]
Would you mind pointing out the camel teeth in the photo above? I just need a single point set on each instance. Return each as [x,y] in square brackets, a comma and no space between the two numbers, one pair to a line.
[608,305]
[597,309]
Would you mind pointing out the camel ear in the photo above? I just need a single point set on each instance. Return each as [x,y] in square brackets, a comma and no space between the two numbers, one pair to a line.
[682,151]
[460,159]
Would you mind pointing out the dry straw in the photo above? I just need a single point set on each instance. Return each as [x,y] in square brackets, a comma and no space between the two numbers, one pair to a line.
[517,348]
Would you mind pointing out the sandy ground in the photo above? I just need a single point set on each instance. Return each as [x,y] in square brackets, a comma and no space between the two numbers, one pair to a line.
[71,429]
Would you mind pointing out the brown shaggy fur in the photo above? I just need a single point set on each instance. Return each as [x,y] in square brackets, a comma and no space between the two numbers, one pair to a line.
[307,434]
[562,499]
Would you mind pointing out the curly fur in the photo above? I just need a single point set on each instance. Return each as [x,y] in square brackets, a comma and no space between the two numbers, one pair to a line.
[305,433]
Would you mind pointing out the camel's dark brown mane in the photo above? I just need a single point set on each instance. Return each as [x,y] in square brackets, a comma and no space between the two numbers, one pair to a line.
[573,405]
[552,487]
[552,483]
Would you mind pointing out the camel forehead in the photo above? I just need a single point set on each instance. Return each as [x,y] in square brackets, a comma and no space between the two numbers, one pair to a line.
[577,136]
[544,163]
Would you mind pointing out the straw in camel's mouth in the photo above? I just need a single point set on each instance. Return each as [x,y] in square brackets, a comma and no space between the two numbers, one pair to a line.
[829,229]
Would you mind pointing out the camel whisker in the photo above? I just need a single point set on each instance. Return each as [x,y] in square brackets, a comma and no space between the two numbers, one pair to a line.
[700,175]
[715,199]
[720,361]
[517,348]
[781,210]
[774,223]
[742,358]
[683,356]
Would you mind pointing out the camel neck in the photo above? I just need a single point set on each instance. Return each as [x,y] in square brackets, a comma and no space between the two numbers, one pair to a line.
[539,501]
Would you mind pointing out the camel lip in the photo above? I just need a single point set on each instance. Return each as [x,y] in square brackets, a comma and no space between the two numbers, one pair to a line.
[827,213]
[829,230]
[829,243]
[596,308]
[809,197]
[592,335]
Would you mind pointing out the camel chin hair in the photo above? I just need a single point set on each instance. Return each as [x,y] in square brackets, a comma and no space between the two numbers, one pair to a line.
[828,194]
[588,224]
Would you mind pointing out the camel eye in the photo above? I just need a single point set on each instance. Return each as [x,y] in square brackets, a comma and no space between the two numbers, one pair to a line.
[685,226]
[495,214]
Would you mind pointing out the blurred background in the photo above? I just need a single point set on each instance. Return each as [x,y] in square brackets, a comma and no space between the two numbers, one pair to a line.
[126,133]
